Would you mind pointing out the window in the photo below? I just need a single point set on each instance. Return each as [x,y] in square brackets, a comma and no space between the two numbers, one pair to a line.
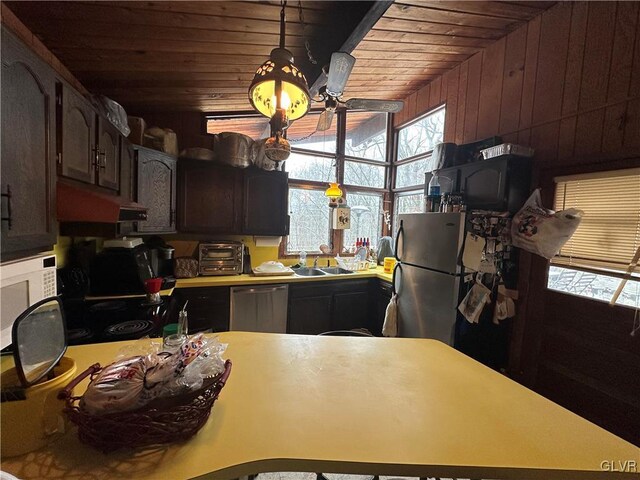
[364,174]
[598,254]
[366,136]
[309,223]
[421,136]
[361,172]
[310,167]
[408,202]
[302,135]
[366,219]
[415,143]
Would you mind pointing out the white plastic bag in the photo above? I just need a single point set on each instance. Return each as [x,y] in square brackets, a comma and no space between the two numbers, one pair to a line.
[541,231]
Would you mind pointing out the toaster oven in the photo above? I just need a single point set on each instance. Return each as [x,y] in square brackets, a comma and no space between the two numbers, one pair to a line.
[220,258]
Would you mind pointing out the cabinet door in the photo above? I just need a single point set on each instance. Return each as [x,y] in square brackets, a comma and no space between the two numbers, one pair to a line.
[382,297]
[27,152]
[156,190]
[484,184]
[309,315]
[127,170]
[208,308]
[209,197]
[109,155]
[79,153]
[350,310]
[266,196]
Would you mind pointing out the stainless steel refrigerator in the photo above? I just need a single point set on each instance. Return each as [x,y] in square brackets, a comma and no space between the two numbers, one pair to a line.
[429,273]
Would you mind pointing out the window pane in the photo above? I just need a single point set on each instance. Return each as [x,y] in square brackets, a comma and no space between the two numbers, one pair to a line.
[366,135]
[309,223]
[363,174]
[366,218]
[412,173]
[318,141]
[421,136]
[409,203]
[309,167]
[593,285]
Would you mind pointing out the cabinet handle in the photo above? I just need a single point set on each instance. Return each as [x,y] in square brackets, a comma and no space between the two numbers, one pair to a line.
[96,158]
[103,159]
[9,217]
[172,217]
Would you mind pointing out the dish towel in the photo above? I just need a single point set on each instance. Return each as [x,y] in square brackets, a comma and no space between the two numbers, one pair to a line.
[390,326]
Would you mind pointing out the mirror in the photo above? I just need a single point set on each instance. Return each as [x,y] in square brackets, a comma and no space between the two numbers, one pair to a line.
[39,340]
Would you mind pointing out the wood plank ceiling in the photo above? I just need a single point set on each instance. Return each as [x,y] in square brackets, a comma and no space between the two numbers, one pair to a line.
[177,56]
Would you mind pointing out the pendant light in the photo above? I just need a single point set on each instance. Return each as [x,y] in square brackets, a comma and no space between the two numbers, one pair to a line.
[333,191]
[279,85]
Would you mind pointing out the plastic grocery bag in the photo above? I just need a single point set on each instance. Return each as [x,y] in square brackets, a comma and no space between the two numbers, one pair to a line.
[542,231]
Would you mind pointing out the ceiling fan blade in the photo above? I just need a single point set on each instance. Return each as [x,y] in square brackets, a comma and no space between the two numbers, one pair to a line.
[339,71]
[324,122]
[391,106]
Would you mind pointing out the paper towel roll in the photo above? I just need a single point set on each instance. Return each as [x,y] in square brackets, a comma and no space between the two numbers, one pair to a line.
[267,241]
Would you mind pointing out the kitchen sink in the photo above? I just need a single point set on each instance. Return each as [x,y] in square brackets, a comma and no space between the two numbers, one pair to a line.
[309,272]
[335,270]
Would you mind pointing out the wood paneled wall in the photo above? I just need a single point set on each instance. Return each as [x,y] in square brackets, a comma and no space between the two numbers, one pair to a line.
[568,84]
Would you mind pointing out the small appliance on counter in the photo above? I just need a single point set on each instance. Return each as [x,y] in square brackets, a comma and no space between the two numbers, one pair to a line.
[121,268]
[220,258]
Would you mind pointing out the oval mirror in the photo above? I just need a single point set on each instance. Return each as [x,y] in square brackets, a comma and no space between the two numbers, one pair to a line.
[39,340]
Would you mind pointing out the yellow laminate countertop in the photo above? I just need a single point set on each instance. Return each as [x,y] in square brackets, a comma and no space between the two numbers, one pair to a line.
[246,279]
[389,406]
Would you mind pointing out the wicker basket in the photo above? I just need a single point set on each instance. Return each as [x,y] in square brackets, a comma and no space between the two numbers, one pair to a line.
[162,421]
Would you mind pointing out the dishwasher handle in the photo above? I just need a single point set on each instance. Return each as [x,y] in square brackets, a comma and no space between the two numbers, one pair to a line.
[258,289]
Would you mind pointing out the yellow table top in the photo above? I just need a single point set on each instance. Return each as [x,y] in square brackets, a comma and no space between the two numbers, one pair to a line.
[389,406]
[244,279]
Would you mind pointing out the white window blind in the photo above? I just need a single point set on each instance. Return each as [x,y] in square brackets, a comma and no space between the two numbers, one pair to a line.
[609,233]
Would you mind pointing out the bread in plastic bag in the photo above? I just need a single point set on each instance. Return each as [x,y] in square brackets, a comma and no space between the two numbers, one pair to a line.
[541,231]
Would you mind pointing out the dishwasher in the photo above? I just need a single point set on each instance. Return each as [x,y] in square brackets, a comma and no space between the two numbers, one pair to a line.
[259,308]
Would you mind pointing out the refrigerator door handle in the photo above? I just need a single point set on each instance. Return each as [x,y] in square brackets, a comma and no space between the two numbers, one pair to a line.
[398,267]
[399,234]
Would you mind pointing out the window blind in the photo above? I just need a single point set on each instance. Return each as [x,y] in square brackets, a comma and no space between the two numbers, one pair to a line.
[609,233]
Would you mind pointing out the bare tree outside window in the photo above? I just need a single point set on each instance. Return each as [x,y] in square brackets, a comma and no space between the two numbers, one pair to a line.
[366,219]
[421,136]
[412,202]
[309,220]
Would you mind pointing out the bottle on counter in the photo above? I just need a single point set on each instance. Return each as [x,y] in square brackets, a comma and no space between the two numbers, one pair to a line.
[303,259]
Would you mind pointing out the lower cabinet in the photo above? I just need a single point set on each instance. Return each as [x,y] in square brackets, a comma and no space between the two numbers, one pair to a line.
[208,308]
[317,307]
[314,307]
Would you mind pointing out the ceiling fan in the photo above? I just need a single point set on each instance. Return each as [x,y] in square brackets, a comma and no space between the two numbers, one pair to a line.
[339,70]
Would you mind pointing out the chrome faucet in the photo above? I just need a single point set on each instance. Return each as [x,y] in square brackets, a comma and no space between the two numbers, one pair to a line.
[315,262]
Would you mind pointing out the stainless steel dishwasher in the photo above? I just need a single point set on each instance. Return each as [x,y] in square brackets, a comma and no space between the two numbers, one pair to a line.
[259,309]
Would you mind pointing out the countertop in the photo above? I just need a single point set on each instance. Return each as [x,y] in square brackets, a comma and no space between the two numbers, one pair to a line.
[246,279]
[388,406]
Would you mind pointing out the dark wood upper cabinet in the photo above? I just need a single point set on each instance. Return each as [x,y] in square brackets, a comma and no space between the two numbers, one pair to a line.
[500,184]
[265,206]
[156,190]
[209,197]
[215,198]
[78,152]
[127,170]
[88,144]
[28,151]
[108,155]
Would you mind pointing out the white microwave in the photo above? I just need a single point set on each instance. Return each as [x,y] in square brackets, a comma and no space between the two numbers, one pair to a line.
[23,283]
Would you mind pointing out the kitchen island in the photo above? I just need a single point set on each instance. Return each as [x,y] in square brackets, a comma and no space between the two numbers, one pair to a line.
[411,407]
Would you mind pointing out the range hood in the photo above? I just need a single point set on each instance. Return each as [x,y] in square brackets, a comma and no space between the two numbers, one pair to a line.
[79,205]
